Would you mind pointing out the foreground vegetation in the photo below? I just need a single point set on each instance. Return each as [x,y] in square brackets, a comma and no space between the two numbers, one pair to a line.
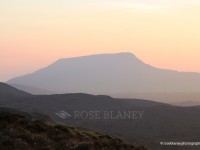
[23,132]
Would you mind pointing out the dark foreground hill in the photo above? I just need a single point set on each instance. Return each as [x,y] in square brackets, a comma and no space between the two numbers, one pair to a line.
[20,131]
[5,89]
[159,122]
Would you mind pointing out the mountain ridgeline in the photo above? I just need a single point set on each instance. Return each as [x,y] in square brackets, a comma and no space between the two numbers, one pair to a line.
[118,75]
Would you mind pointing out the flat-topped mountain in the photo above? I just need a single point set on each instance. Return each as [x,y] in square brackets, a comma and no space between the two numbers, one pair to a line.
[118,75]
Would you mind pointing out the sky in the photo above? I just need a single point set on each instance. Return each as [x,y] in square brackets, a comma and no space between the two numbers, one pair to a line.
[35,33]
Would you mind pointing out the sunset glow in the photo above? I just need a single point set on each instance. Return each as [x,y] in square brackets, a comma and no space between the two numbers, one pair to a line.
[35,33]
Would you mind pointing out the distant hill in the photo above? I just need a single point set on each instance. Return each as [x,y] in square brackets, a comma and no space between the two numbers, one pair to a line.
[6,89]
[24,132]
[33,90]
[118,75]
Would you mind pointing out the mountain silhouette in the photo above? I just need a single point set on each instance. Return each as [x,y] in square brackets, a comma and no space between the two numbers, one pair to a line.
[118,75]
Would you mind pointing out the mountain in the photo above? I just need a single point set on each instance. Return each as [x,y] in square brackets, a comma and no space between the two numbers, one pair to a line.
[6,89]
[156,122]
[118,75]
[24,132]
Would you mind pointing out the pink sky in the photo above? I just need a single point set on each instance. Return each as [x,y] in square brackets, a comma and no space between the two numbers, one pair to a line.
[34,34]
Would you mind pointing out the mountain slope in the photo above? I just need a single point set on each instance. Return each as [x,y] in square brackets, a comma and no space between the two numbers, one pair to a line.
[6,89]
[121,74]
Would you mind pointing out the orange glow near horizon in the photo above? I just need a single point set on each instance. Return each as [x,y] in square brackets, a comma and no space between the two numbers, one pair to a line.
[34,34]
